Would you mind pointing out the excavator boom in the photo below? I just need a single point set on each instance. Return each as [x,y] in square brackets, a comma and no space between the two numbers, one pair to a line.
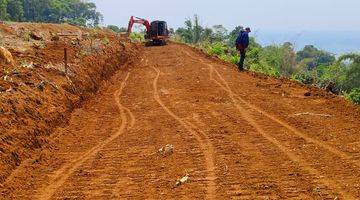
[136,20]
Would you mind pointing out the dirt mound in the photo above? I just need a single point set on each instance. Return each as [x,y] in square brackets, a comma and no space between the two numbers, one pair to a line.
[36,95]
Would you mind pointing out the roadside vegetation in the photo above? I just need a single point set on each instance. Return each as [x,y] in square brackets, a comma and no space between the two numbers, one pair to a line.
[311,66]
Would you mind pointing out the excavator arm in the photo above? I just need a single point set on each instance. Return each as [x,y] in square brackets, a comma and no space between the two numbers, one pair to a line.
[136,20]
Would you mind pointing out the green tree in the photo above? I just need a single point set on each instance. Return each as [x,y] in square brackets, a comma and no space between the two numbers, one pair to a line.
[314,57]
[184,34]
[114,28]
[15,10]
[197,30]
[3,10]
[192,33]
[288,63]
[207,35]
[58,11]
[220,33]
[275,60]
[171,31]
[352,71]
[354,96]
[76,12]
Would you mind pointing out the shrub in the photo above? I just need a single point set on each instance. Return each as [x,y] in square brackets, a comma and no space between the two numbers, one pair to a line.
[234,59]
[354,96]
[303,77]
[114,28]
[264,69]
[216,49]
[105,41]
[137,37]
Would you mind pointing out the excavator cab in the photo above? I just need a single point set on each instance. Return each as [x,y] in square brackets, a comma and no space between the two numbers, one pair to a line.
[159,32]
[159,28]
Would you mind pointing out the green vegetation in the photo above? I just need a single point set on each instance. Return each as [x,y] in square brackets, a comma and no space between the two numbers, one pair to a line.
[76,12]
[137,37]
[116,29]
[354,96]
[310,65]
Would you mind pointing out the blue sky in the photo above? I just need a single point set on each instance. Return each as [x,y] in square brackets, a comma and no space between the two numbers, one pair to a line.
[295,20]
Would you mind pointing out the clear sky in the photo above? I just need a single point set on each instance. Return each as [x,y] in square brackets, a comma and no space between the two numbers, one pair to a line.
[294,18]
[260,14]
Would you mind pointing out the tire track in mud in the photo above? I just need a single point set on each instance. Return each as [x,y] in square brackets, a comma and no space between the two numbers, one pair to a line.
[61,176]
[289,127]
[200,136]
[285,150]
[274,118]
[247,116]
[132,117]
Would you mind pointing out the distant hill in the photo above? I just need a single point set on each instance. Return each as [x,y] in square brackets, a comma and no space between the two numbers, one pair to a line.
[337,42]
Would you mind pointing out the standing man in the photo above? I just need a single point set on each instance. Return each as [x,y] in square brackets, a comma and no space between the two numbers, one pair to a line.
[242,43]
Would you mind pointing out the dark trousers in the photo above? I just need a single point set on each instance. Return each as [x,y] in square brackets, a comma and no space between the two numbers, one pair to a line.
[242,59]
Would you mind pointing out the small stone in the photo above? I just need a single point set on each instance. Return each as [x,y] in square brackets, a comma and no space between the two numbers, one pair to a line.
[307,94]
[28,65]
[182,180]
[166,150]
[41,85]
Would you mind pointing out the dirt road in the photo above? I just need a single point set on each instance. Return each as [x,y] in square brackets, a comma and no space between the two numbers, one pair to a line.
[237,135]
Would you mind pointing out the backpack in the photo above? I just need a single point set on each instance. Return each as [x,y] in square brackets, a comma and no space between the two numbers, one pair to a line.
[238,41]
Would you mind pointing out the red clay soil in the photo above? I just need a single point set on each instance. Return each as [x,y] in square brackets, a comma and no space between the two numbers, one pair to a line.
[36,95]
[237,135]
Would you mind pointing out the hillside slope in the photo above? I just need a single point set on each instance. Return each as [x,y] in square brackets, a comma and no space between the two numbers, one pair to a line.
[237,135]
[36,95]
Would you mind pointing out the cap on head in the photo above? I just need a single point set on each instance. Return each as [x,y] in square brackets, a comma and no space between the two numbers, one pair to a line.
[248,29]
